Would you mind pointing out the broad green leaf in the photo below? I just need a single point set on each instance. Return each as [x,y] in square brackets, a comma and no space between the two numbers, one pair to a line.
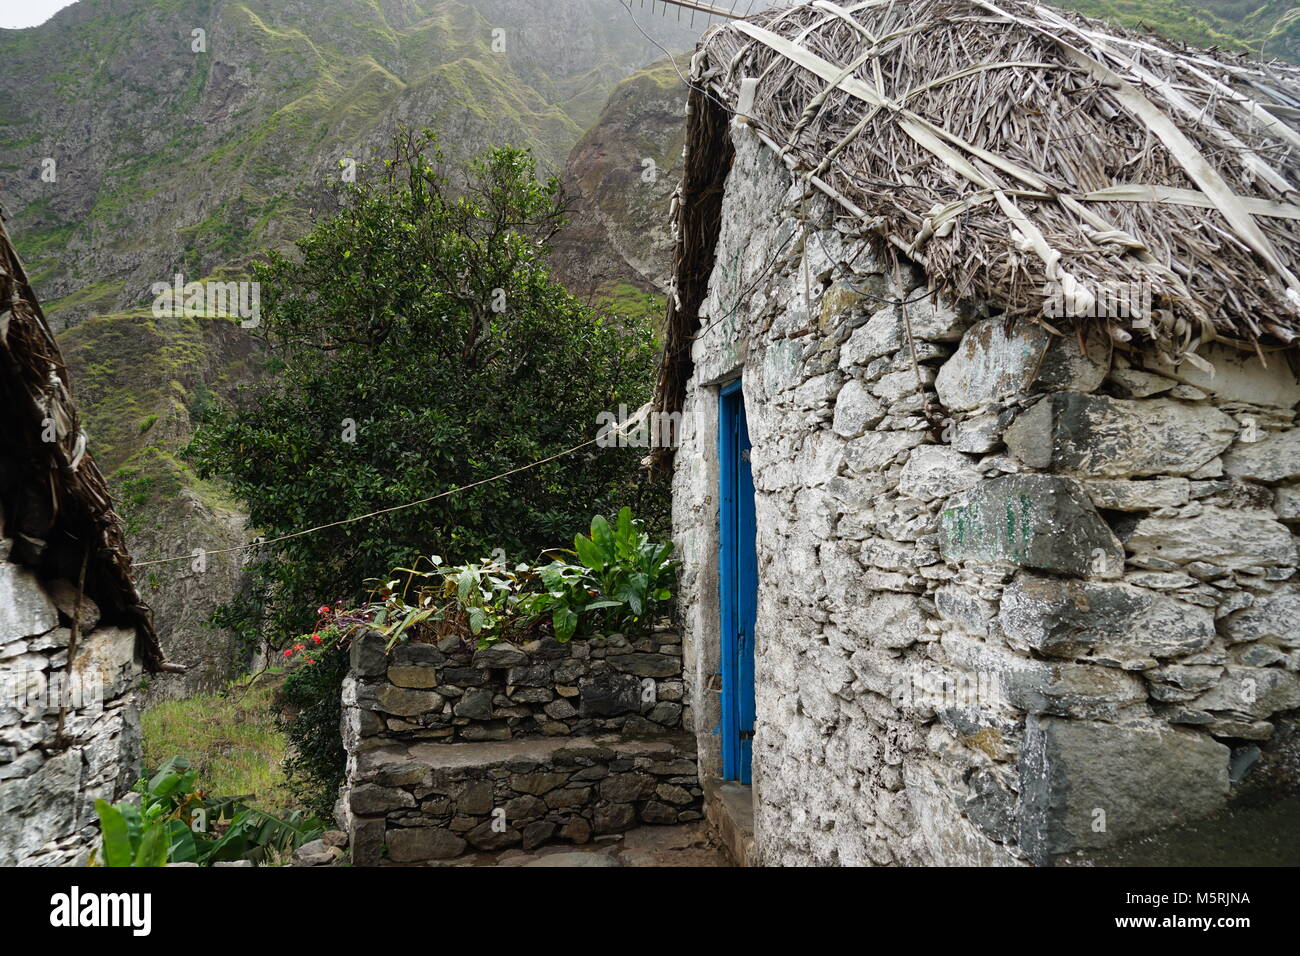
[112,825]
[180,838]
[565,623]
[153,846]
[589,553]
[601,535]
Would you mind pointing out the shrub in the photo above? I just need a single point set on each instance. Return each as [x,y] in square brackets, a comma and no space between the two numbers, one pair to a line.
[619,581]
[311,708]
[175,822]
[422,345]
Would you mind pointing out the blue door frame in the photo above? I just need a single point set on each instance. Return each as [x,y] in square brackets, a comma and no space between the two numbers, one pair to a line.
[738,574]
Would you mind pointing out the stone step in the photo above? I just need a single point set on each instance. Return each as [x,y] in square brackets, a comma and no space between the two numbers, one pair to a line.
[420,802]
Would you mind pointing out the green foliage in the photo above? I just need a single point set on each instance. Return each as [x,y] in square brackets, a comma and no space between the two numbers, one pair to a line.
[622,578]
[625,566]
[128,837]
[311,709]
[421,346]
[229,736]
[484,600]
[176,822]
[423,316]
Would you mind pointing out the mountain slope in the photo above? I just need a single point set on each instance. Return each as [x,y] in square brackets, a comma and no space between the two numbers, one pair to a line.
[173,160]
[619,180]
[139,414]
[1267,27]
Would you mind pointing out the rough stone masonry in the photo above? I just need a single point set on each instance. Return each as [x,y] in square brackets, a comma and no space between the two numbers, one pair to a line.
[453,749]
[1062,616]
[48,785]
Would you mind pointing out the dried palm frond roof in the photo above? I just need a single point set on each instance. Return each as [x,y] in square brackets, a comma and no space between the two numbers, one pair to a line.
[56,504]
[1010,149]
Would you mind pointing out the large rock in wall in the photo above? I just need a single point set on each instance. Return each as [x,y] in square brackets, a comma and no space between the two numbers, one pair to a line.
[1019,599]
[48,784]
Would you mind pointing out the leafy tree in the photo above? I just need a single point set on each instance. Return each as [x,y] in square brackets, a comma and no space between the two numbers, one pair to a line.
[420,344]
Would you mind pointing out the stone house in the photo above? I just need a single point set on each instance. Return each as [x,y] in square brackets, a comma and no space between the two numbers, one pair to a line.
[982,333]
[74,633]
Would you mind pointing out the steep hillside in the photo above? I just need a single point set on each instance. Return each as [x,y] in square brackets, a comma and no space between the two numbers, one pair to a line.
[167,159]
[620,179]
[140,380]
[1267,27]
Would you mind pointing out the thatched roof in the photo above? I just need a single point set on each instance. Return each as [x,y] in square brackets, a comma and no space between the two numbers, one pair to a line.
[56,505]
[1003,146]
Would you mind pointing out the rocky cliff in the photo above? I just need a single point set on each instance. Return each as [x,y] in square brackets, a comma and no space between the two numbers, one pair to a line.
[139,138]
[620,180]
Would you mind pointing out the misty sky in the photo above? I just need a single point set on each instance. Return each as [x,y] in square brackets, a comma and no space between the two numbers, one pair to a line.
[28,13]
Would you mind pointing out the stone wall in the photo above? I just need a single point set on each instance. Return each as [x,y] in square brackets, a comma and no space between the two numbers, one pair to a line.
[451,692]
[453,749]
[428,802]
[996,624]
[48,786]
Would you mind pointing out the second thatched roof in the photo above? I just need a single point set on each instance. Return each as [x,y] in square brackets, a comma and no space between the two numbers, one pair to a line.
[54,501]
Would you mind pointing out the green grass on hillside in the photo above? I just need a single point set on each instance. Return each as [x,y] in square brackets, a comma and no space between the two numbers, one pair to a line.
[626,300]
[229,737]
[1256,26]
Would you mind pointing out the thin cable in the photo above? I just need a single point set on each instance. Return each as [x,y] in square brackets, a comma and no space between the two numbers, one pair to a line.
[382,511]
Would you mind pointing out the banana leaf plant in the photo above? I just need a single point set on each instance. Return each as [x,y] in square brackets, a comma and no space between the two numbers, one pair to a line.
[175,822]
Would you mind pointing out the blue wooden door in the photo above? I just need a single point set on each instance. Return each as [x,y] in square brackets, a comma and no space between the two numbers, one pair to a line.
[738,565]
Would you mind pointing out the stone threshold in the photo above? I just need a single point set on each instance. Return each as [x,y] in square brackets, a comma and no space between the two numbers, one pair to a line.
[729,809]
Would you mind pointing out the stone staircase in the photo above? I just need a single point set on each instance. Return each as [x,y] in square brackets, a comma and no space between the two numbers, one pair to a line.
[452,749]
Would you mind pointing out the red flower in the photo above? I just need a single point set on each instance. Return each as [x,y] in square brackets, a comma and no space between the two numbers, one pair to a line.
[323,609]
[288,653]
[316,638]
[311,660]
[300,647]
